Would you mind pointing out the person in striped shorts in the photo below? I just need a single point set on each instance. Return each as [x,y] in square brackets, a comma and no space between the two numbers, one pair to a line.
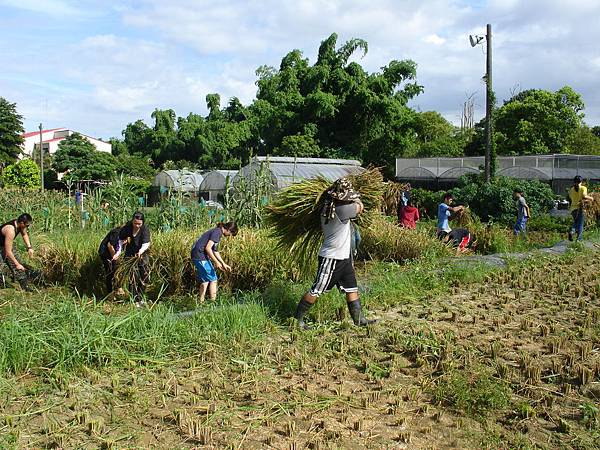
[336,267]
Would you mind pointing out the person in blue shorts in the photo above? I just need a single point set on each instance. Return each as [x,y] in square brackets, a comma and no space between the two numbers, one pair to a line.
[206,257]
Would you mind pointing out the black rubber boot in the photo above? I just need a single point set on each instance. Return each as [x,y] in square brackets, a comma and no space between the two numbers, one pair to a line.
[359,319]
[301,310]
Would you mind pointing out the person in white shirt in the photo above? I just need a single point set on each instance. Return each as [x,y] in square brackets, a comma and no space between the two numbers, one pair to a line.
[336,267]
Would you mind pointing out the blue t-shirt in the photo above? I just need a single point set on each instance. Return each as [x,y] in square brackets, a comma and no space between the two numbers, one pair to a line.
[198,250]
[442,217]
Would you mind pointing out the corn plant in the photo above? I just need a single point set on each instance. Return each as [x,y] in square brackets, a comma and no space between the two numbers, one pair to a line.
[249,196]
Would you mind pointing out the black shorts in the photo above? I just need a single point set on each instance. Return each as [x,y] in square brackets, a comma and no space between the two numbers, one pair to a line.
[441,234]
[334,272]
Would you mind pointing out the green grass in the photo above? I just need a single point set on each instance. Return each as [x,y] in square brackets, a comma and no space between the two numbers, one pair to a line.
[474,392]
[70,333]
[66,332]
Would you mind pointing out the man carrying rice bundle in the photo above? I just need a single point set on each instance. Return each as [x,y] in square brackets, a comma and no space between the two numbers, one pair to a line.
[336,267]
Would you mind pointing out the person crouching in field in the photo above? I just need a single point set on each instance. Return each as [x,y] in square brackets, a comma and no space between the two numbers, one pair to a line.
[460,239]
[523,213]
[134,237]
[336,267]
[8,255]
[578,196]
[106,251]
[206,257]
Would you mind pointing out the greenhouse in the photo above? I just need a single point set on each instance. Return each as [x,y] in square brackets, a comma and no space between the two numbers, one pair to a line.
[215,184]
[557,170]
[284,170]
[178,180]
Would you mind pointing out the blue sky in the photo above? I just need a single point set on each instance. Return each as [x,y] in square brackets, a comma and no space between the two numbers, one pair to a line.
[95,66]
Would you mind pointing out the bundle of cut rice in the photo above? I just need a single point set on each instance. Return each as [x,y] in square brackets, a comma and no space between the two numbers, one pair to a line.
[126,271]
[463,218]
[391,196]
[294,214]
[592,209]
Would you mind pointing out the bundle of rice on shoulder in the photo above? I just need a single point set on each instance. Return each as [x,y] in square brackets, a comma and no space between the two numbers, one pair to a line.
[298,212]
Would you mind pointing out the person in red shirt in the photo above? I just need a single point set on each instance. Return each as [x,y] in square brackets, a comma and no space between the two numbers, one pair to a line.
[408,216]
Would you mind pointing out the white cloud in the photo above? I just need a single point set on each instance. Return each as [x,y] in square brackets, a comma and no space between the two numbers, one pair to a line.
[434,39]
[171,54]
[55,8]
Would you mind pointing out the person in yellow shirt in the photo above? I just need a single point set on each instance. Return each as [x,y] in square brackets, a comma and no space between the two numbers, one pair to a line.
[578,196]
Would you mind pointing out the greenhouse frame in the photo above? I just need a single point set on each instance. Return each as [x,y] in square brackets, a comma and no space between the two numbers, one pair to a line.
[215,184]
[178,180]
[285,170]
[557,170]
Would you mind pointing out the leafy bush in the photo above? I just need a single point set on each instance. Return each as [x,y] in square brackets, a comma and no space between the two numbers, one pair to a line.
[427,201]
[546,222]
[22,174]
[494,200]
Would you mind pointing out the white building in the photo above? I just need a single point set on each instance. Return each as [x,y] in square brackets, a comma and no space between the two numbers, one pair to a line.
[51,138]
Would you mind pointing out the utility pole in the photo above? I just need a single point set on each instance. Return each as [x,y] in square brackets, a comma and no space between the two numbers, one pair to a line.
[489,166]
[488,106]
[41,158]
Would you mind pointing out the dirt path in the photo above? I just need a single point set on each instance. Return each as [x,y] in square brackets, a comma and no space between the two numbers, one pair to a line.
[501,259]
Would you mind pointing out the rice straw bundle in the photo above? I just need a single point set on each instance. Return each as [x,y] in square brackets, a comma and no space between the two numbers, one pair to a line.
[592,209]
[391,196]
[294,214]
[463,218]
[125,271]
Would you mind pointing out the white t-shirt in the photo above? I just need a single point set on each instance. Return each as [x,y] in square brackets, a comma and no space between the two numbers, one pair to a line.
[337,232]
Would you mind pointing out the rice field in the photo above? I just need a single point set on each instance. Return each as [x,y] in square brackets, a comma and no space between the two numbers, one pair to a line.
[478,358]
[463,356]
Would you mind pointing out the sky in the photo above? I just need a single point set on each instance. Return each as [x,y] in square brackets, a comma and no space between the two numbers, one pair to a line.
[95,66]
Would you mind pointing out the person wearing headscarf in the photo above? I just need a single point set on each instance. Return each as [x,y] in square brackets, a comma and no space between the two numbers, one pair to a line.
[336,267]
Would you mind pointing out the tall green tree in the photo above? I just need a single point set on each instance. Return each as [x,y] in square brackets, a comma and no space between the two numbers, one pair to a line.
[353,113]
[137,166]
[436,136]
[81,161]
[584,142]
[138,138]
[11,130]
[118,146]
[537,121]
[332,108]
